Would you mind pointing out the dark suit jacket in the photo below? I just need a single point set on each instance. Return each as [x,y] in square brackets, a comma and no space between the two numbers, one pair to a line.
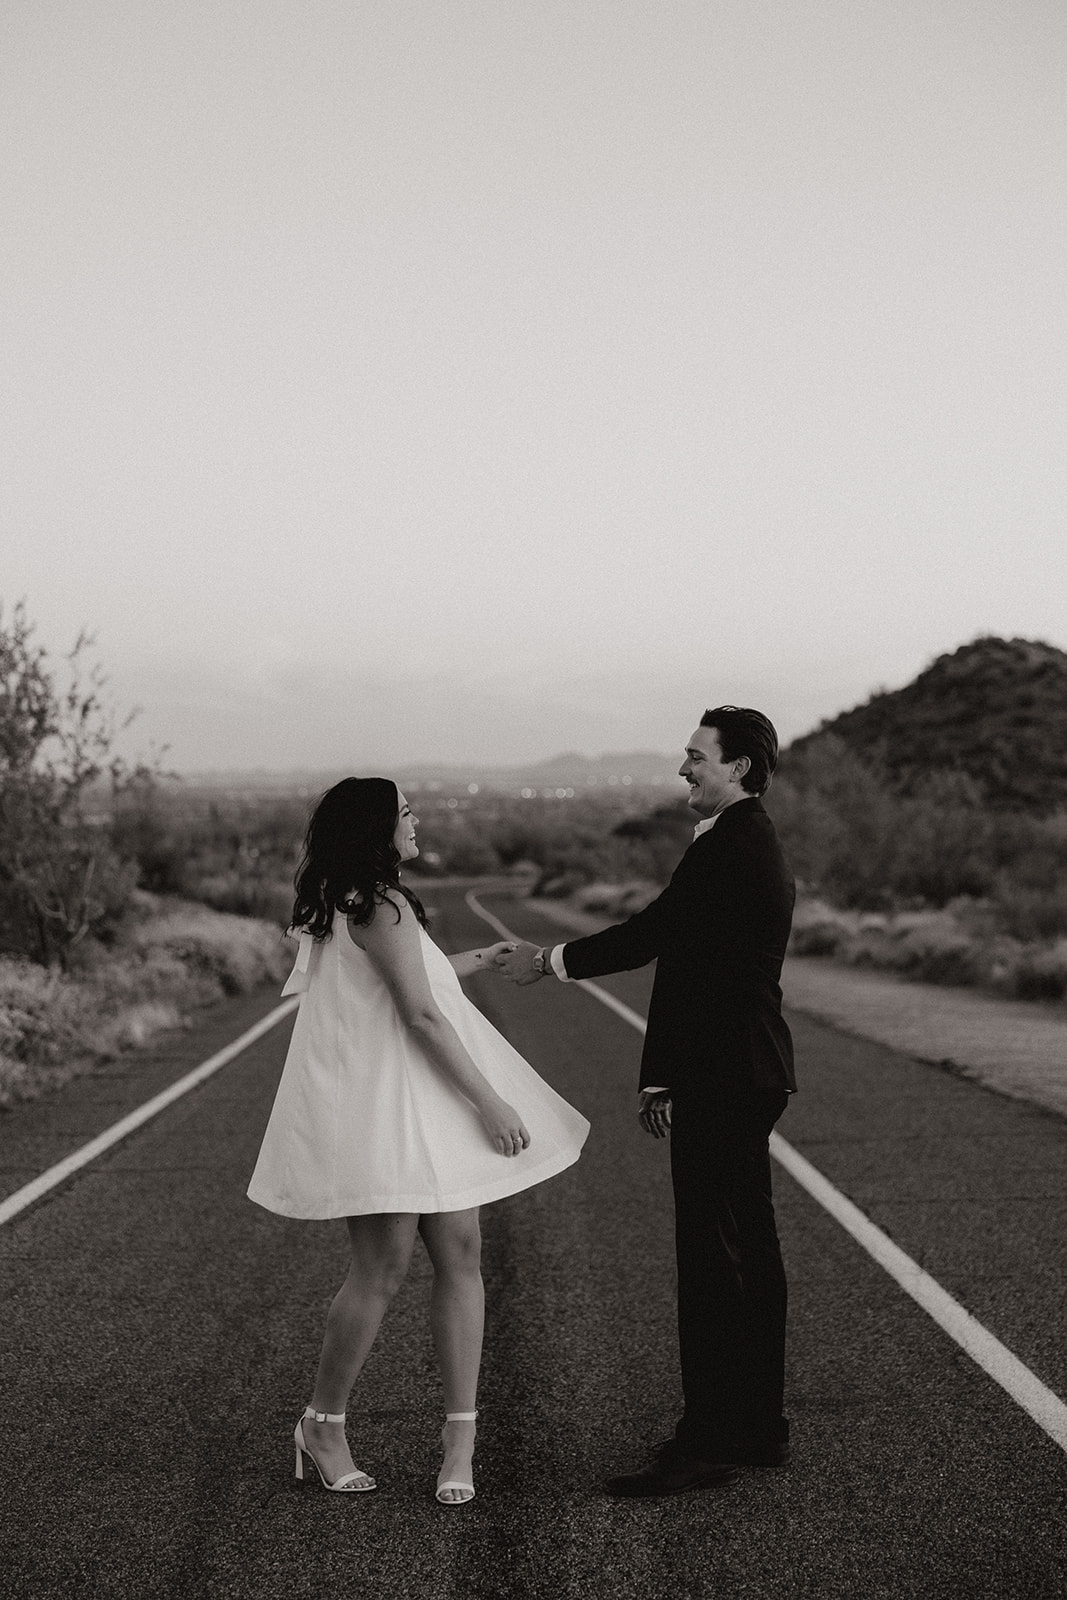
[718,933]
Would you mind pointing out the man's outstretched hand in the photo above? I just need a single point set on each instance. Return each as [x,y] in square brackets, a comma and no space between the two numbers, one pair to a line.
[517,964]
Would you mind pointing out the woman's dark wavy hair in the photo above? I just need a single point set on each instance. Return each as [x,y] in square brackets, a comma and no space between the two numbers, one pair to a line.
[350,863]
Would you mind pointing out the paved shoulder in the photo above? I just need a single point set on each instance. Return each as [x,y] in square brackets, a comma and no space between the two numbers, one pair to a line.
[1017,1048]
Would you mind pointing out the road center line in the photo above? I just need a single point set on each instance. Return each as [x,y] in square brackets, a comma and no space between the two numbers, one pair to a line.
[1024,1387]
[88,1152]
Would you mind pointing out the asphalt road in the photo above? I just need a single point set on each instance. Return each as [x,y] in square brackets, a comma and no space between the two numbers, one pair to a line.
[159,1335]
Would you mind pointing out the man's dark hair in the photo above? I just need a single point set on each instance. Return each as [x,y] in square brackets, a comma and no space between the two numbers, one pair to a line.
[744,732]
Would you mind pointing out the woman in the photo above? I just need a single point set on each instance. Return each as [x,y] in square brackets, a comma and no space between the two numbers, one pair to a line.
[401,1109]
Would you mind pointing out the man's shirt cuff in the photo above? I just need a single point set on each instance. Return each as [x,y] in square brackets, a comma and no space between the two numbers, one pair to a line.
[555,956]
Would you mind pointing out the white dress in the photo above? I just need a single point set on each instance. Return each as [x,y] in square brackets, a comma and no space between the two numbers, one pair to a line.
[363,1122]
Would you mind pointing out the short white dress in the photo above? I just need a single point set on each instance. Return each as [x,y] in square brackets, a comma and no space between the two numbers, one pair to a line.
[363,1122]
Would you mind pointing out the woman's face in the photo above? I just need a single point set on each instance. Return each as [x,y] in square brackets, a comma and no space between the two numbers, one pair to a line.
[404,837]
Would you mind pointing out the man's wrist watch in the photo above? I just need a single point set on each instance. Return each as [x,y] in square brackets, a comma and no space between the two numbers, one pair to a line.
[542,963]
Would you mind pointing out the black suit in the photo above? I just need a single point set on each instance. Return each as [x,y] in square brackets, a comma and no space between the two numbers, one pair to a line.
[716,1039]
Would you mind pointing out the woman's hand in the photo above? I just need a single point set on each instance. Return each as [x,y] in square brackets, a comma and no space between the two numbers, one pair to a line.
[465,963]
[492,953]
[505,1127]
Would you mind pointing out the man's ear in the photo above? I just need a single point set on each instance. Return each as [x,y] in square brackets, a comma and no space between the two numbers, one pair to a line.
[740,767]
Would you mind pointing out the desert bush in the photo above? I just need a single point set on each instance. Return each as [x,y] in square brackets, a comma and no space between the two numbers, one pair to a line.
[616,900]
[1030,888]
[46,1021]
[855,843]
[61,877]
[839,824]
[266,899]
[145,830]
[1031,913]
[939,950]
[236,953]
[819,929]
[1041,974]
[943,845]
[55,1024]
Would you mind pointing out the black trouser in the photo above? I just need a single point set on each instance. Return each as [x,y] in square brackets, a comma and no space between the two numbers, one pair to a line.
[731,1282]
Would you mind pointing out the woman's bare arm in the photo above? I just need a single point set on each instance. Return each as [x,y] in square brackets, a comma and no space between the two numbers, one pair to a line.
[392,942]
[468,962]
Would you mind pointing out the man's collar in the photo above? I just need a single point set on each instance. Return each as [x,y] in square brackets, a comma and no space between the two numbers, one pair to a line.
[709,822]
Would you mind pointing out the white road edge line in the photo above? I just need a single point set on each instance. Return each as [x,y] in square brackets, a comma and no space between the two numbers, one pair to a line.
[1024,1387]
[88,1152]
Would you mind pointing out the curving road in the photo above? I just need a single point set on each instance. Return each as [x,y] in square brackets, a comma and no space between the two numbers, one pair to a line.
[159,1333]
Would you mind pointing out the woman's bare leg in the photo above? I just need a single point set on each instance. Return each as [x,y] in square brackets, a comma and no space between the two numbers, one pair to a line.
[381,1253]
[457,1314]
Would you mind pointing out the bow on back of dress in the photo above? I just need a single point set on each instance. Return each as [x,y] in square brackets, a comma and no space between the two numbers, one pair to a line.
[300,976]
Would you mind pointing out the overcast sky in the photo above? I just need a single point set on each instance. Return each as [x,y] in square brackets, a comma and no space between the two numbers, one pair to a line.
[477,379]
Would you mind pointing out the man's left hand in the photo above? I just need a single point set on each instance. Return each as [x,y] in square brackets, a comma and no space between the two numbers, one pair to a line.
[654,1113]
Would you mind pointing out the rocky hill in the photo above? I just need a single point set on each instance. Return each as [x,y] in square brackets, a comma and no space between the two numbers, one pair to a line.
[995,709]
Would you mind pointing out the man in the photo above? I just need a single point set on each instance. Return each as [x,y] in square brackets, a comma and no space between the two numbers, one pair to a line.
[716,1071]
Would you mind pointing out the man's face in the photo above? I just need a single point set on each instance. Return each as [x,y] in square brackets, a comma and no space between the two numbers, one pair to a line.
[713,782]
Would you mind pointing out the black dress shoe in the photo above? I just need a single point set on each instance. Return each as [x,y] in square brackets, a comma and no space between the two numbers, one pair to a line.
[761,1455]
[756,1453]
[672,1473]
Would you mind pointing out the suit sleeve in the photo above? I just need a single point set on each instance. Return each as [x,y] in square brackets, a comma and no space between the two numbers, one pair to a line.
[641,938]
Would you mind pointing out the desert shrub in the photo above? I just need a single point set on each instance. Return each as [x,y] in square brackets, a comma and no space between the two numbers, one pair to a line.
[1030,889]
[61,877]
[856,844]
[42,1013]
[819,929]
[839,824]
[472,857]
[938,950]
[54,1024]
[653,843]
[616,900]
[1041,974]
[559,885]
[1031,913]
[236,953]
[943,845]
[245,896]
[516,839]
[136,1025]
[143,831]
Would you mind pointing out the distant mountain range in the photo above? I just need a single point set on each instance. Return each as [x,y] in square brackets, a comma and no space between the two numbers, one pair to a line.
[640,767]
[995,709]
[637,768]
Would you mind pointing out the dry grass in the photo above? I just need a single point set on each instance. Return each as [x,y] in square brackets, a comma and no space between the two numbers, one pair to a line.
[959,944]
[170,964]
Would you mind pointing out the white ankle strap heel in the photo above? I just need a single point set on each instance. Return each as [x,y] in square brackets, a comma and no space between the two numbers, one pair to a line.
[323,1416]
[356,1482]
[467,1489]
